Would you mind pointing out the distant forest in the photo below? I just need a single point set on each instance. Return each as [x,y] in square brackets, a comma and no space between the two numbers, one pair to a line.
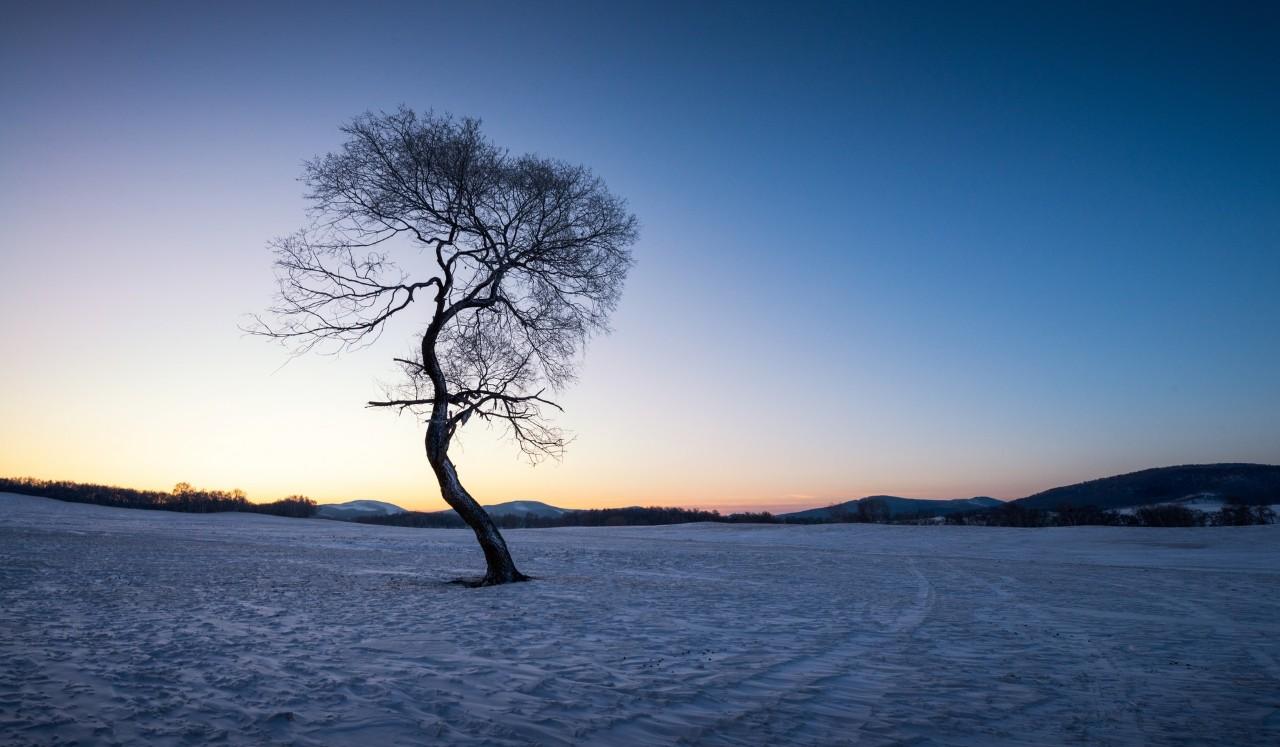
[182,498]
[867,511]
[188,499]
[1164,515]
[594,517]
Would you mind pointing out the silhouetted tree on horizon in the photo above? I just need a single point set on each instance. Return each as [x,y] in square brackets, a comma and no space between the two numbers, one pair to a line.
[516,261]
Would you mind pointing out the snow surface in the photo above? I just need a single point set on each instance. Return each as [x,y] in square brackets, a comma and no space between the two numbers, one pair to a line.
[126,626]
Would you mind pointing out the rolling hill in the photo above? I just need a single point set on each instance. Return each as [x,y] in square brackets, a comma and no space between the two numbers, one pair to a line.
[519,508]
[1248,483]
[352,510]
[356,510]
[897,507]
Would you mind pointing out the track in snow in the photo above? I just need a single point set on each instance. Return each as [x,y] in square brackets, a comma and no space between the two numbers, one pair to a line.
[136,626]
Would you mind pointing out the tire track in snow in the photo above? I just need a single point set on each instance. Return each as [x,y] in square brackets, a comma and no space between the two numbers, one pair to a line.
[834,681]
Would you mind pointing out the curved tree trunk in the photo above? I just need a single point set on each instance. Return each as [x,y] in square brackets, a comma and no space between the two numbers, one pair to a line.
[501,569]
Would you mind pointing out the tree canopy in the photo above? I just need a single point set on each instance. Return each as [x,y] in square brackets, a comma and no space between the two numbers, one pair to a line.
[515,262]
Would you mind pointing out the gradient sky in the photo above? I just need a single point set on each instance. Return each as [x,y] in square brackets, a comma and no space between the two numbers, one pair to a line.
[928,250]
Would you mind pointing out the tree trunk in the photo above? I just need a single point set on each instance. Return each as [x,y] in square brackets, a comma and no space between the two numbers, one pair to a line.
[501,569]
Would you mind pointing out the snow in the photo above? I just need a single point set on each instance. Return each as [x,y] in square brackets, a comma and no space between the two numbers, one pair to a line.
[125,626]
[1208,503]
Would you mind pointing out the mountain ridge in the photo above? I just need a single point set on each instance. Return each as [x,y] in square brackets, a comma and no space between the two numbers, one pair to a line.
[517,508]
[351,510]
[1243,481]
[894,506]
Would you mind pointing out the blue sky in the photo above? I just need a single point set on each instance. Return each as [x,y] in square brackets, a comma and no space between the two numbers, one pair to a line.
[931,251]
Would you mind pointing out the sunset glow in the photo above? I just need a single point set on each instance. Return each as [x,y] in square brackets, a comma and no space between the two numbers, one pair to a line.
[862,269]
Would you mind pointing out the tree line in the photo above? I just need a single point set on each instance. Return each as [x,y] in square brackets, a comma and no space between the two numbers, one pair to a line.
[1234,513]
[183,497]
[595,517]
[188,499]
[866,512]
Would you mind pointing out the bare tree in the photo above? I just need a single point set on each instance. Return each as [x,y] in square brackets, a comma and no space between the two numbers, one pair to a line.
[514,260]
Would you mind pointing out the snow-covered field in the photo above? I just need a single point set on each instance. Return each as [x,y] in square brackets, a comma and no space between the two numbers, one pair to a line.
[142,627]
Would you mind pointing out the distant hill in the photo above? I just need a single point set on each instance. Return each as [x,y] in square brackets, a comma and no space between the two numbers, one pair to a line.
[364,510]
[896,507]
[1248,483]
[519,508]
[352,510]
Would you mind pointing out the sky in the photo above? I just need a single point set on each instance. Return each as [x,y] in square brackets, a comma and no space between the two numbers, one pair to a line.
[907,248]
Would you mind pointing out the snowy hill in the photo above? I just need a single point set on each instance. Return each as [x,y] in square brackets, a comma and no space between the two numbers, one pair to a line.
[923,507]
[1249,483]
[525,508]
[356,510]
[520,508]
[352,510]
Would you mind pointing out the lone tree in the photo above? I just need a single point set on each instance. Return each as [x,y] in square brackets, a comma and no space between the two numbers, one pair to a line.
[514,262]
